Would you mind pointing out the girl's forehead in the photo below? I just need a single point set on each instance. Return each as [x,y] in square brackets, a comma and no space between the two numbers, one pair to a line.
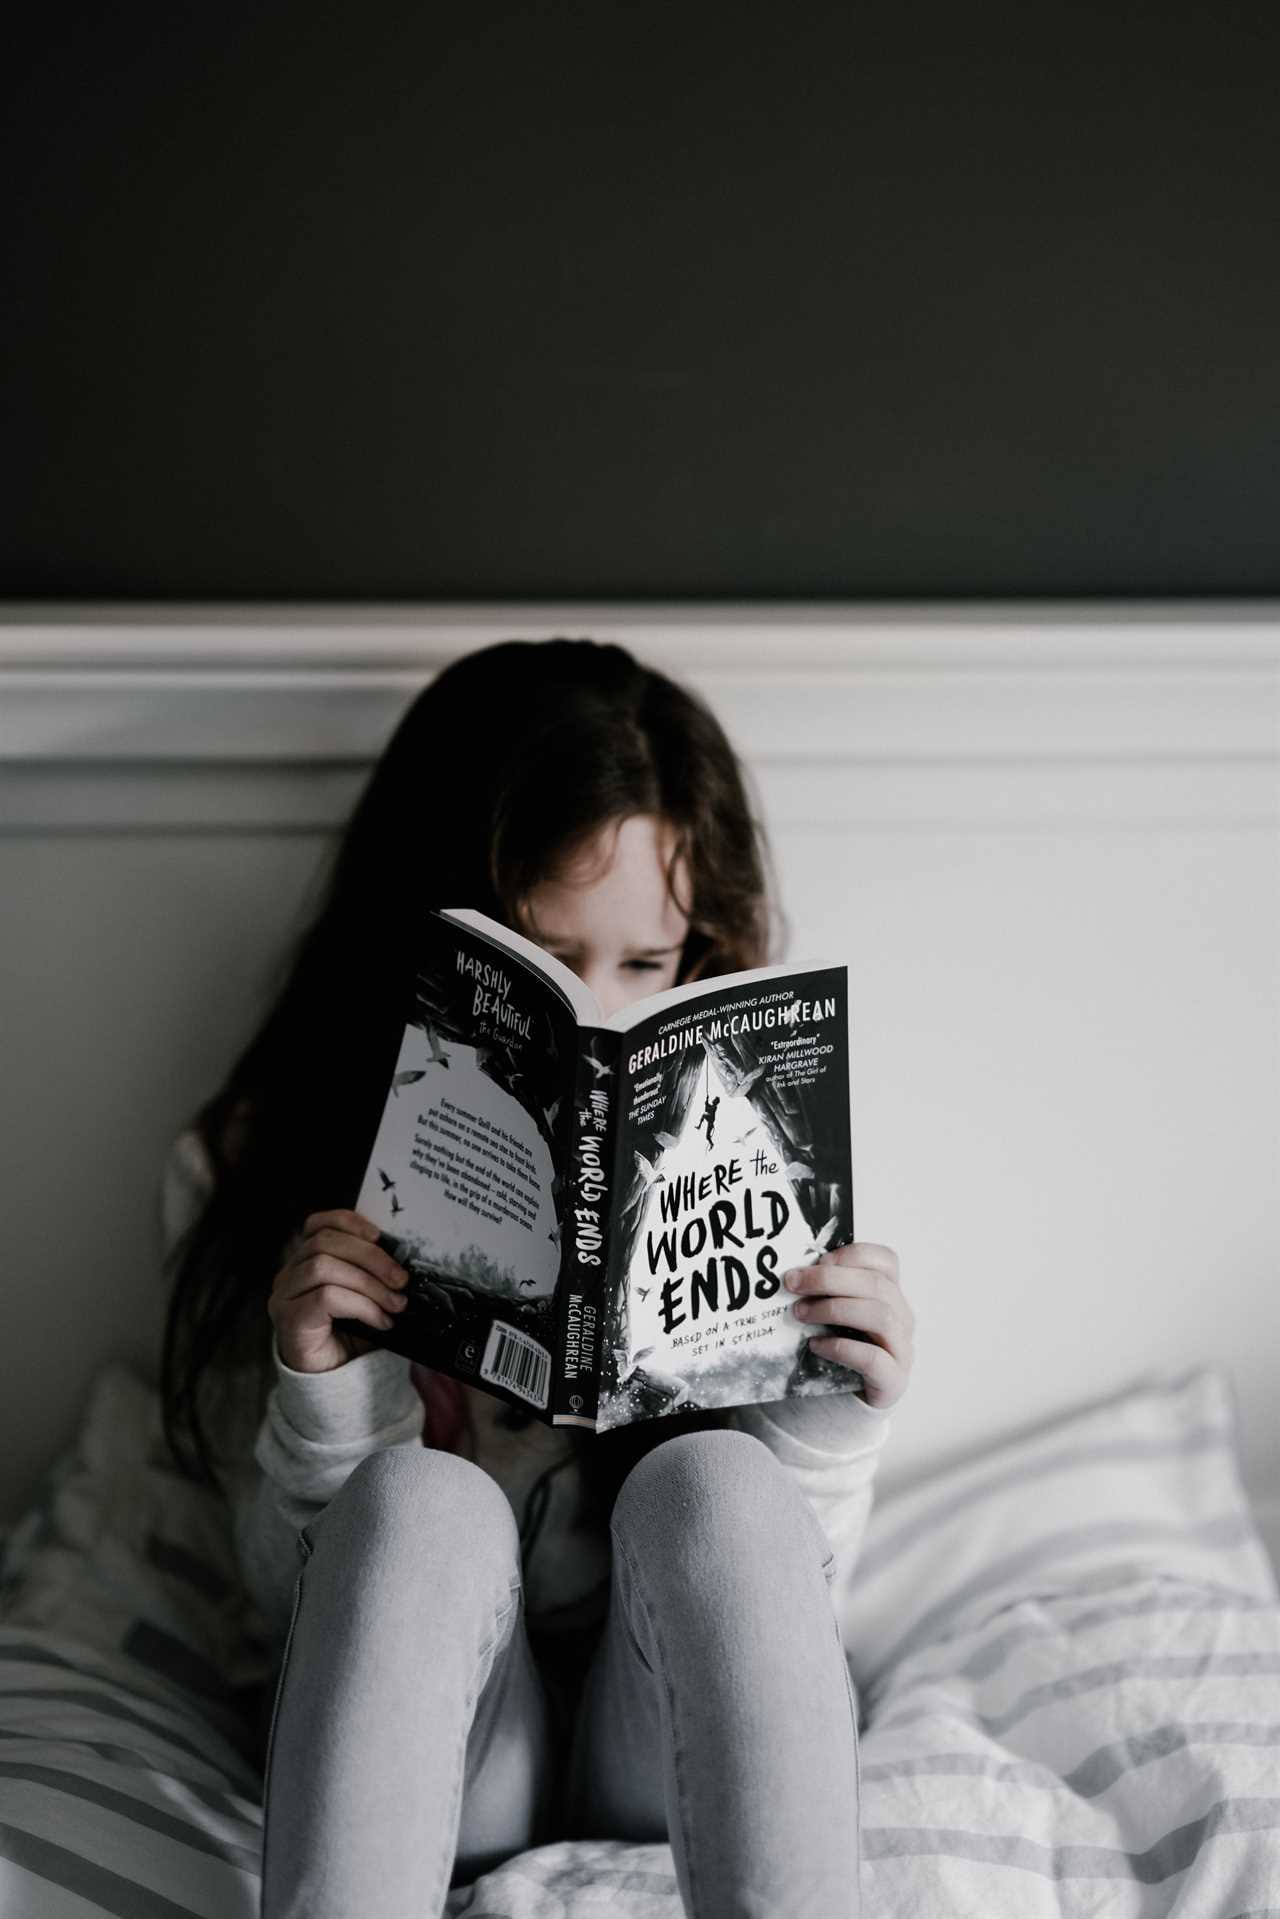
[618,883]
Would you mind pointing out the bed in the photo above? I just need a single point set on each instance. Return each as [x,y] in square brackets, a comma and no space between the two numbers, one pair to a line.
[1066,1651]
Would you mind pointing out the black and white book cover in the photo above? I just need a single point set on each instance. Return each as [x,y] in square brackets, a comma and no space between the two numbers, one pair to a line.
[595,1214]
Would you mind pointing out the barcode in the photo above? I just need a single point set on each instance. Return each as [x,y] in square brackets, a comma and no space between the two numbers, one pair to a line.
[514,1360]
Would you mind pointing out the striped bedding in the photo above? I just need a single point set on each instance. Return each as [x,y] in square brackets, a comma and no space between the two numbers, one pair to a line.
[1067,1655]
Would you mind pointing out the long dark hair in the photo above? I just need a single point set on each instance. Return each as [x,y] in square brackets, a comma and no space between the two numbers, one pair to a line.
[510,760]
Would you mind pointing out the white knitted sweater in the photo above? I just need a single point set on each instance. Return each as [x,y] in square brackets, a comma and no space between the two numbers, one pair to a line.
[318,1426]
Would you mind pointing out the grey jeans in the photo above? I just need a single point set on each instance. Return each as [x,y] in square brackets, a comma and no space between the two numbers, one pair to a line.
[412,1743]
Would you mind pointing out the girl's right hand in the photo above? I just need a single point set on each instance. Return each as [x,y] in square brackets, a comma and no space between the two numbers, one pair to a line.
[334,1269]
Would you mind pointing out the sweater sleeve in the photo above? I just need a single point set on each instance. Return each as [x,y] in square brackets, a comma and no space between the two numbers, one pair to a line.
[315,1430]
[831,1445]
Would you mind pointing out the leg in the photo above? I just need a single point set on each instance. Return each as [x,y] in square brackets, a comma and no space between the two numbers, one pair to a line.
[411,1734]
[718,1711]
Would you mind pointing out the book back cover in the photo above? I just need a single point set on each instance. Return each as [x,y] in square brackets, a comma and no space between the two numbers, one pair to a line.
[463,1173]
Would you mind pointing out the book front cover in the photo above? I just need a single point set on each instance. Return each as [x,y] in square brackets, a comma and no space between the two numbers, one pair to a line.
[462,1175]
[734,1164]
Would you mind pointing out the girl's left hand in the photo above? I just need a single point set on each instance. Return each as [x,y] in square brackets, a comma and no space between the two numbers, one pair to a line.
[857,1286]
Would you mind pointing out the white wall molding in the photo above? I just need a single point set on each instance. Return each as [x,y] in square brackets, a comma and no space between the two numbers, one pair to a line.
[680,635]
[1010,718]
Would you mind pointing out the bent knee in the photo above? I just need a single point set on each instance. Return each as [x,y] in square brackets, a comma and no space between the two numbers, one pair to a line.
[720,1471]
[690,1504]
[415,1498]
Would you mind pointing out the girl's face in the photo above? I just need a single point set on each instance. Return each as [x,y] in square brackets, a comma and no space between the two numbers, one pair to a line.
[609,915]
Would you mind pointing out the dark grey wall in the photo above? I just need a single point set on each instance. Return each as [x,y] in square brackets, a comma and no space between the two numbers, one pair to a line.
[825,300]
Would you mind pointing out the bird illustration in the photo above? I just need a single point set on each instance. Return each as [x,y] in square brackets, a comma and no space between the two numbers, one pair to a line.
[635,1203]
[396,1207]
[406,1079]
[819,1245]
[528,1282]
[747,1081]
[554,1235]
[550,1113]
[739,1137]
[644,1291]
[438,1055]
[387,1181]
[648,1169]
[598,1066]
[627,1365]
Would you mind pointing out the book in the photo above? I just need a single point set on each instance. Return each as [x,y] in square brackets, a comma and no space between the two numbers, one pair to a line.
[596,1214]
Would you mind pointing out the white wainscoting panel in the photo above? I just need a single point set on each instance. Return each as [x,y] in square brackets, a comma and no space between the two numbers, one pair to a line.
[1046,837]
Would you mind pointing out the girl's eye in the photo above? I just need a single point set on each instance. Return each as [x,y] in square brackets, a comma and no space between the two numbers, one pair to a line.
[644,966]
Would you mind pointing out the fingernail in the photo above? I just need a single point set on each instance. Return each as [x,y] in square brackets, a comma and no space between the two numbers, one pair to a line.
[792,1279]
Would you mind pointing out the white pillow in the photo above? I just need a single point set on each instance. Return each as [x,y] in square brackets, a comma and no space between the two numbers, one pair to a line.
[120,1552]
[1145,1481]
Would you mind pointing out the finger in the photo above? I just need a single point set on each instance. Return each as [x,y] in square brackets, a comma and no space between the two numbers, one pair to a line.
[865,1252]
[834,1275]
[832,1282]
[344,1220]
[884,1381]
[325,1271]
[315,1310]
[872,1319]
[358,1252]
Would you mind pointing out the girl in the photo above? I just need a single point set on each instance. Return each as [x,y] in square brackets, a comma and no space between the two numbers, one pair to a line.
[484,1634]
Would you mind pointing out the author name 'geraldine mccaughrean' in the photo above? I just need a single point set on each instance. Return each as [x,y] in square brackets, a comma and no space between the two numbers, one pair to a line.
[751,1021]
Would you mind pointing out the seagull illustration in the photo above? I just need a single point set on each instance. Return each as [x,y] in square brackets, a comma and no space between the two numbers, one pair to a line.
[405,1079]
[598,1066]
[743,1085]
[554,1234]
[626,1366]
[396,1207]
[387,1181]
[644,1291]
[550,1114]
[528,1282]
[438,1054]
[739,1137]
[649,1170]
[819,1245]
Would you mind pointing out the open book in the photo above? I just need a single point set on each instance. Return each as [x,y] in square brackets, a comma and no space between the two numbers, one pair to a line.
[596,1214]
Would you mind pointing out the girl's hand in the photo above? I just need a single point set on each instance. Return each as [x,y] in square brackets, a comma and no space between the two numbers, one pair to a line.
[857,1286]
[334,1269]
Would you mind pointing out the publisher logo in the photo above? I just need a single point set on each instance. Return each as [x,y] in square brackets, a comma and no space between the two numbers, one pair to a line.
[467,1355]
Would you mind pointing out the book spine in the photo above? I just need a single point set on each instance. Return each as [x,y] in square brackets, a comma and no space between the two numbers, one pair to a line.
[588,1201]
